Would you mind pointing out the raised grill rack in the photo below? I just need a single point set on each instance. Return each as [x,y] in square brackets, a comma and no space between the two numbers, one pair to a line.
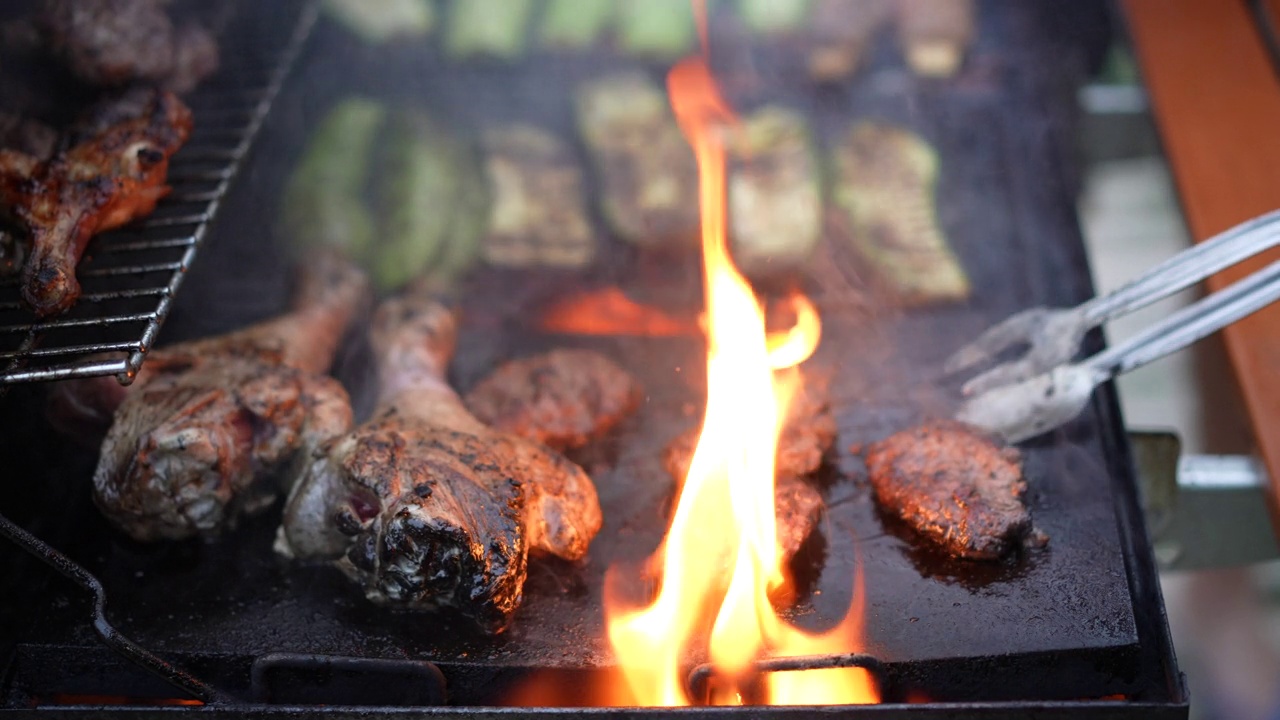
[129,277]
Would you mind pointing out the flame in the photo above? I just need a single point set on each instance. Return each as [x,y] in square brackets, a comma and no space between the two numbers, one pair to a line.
[720,560]
[608,311]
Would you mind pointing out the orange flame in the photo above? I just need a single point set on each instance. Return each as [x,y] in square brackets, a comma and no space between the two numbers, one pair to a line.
[609,311]
[720,559]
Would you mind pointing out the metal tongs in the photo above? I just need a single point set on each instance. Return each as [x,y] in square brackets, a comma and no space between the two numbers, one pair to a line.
[1041,390]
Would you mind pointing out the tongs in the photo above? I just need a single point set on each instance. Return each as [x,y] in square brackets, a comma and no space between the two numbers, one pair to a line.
[1041,390]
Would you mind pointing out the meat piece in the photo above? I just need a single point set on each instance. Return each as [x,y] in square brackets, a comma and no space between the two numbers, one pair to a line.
[798,507]
[113,43]
[957,486]
[564,398]
[807,435]
[104,182]
[424,506]
[209,427]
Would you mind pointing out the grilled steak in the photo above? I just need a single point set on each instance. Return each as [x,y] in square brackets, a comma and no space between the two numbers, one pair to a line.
[101,183]
[114,43]
[956,486]
[208,426]
[424,506]
[563,398]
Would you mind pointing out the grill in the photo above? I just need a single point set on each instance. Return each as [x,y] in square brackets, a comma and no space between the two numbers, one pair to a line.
[130,276]
[1076,632]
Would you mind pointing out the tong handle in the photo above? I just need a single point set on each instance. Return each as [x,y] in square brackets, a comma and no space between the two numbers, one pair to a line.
[1190,324]
[1186,268]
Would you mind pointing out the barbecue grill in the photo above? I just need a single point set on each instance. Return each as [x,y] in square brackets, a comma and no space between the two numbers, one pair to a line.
[1075,631]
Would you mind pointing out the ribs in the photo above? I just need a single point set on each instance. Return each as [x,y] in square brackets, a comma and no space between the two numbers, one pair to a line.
[103,182]
[424,506]
[209,426]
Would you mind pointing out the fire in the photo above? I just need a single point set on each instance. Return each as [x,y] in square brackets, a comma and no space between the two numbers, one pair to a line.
[720,561]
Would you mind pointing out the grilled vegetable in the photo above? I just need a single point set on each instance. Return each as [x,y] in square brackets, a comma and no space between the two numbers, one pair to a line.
[489,28]
[322,203]
[775,193]
[401,193]
[416,189]
[935,34]
[650,182]
[376,21]
[470,217]
[884,190]
[769,17]
[842,30]
[656,29]
[538,215]
[575,24]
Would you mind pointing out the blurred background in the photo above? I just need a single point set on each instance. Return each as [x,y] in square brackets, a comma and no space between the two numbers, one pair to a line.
[1226,620]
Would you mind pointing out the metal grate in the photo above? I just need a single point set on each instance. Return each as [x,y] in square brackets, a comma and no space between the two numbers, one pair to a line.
[129,276]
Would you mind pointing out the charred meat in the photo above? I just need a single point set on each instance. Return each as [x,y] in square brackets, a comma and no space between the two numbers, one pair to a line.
[424,506]
[647,173]
[956,486]
[564,398]
[105,181]
[208,426]
[113,43]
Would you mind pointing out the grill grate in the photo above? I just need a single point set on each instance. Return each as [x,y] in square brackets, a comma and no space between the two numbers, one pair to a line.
[129,277]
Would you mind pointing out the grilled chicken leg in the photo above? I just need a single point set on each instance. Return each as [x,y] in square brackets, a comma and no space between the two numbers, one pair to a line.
[208,425]
[103,182]
[424,505]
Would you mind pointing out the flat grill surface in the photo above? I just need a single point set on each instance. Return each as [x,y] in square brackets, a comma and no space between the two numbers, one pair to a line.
[129,276]
[1063,621]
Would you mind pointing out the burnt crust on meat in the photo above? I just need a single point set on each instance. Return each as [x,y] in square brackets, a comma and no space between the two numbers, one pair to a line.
[428,528]
[956,486]
[425,506]
[563,398]
[103,182]
[209,427]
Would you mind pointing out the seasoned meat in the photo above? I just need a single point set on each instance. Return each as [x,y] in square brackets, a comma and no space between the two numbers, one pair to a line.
[114,43]
[807,435]
[424,506]
[105,181]
[798,508]
[563,398]
[209,426]
[956,486]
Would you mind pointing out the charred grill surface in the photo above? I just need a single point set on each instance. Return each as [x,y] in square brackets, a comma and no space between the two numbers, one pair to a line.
[563,398]
[958,487]
[106,180]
